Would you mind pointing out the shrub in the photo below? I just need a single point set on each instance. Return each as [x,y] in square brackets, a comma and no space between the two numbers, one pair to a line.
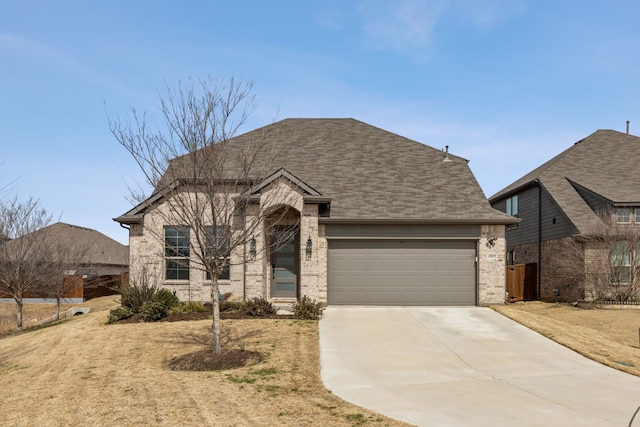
[153,311]
[227,305]
[166,297]
[119,313]
[190,307]
[258,307]
[307,309]
[134,296]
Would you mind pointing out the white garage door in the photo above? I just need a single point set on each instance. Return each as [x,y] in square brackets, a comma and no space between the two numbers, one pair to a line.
[390,272]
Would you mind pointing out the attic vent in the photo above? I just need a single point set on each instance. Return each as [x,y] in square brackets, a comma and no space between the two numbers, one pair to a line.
[324,210]
[446,154]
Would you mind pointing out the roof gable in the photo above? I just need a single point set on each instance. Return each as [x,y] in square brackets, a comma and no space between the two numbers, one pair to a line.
[602,166]
[367,173]
[283,173]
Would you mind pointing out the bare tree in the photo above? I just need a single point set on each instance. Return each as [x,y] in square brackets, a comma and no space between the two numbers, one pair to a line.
[202,181]
[609,257]
[24,258]
[66,260]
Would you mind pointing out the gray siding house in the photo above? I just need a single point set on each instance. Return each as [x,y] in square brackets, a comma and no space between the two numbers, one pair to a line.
[563,199]
[382,220]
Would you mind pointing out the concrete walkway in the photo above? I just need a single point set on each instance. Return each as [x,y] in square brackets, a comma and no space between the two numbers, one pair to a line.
[442,366]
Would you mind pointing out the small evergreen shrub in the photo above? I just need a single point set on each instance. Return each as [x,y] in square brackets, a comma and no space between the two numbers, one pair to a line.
[258,307]
[307,309]
[119,313]
[134,296]
[153,311]
[166,297]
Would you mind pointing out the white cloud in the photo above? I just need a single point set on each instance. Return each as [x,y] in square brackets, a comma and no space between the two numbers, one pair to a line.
[400,25]
[407,25]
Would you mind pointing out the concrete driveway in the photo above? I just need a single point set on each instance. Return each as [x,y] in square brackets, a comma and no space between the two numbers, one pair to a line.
[455,366]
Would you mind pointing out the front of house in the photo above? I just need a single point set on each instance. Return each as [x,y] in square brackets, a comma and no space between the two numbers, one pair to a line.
[370,218]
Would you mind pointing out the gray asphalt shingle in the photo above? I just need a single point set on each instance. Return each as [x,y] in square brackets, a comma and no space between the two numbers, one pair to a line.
[607,162]
[370,173]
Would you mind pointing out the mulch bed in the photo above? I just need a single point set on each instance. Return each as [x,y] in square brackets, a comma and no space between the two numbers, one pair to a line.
[229,314]
[207,360]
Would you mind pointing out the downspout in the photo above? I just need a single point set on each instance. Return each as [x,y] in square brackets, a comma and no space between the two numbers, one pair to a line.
[539,273]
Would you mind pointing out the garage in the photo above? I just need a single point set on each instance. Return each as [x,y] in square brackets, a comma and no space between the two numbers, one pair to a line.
[401,272]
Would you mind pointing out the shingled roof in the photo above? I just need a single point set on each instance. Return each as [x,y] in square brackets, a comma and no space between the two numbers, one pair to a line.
[97,249]
[605,163]
[370,174]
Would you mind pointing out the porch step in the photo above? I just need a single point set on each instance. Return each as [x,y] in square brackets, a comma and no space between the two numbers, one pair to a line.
[283,308]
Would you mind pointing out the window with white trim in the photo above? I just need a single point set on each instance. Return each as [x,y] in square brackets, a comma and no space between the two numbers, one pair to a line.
[625,261]
[176,252]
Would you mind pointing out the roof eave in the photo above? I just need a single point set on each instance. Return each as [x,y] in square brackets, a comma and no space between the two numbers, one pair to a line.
[434,221]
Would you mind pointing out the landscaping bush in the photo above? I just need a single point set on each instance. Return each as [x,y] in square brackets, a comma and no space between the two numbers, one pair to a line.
[258,307]
[227,305]
[166,297]
[119,313]
[135,296]
[307,309]
[190,307]
[154,311]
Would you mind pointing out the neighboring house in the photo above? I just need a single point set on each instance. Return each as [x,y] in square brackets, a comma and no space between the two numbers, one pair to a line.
[96,261]
[382,220]
[560,202]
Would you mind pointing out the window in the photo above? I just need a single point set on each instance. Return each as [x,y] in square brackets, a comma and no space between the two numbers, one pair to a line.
[512,206]
[624,258]
[176,253]
[216,243]
[624,215]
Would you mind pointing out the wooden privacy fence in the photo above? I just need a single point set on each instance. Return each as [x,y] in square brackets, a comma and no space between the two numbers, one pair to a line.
[522,282]
[80,288]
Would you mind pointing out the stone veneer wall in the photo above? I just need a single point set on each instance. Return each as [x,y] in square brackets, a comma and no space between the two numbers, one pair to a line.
[491,265]
[313,269]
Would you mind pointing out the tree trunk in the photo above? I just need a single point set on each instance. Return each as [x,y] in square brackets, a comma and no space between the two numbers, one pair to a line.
[19,317]
[215,298]
[58,308]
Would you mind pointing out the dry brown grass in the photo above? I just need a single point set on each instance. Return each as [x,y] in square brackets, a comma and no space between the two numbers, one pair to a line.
[84,372]
[33,315]
[610,337]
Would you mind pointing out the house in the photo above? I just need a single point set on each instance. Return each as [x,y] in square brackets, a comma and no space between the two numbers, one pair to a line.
[560,205]
[94,262]
[379,220]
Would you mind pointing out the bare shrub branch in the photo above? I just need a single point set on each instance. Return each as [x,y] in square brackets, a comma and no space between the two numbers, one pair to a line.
[202,181]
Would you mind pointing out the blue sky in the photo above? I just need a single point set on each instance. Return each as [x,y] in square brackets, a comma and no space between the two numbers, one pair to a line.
[506,84]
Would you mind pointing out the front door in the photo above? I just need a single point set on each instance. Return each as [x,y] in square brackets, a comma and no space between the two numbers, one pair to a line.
[284,263]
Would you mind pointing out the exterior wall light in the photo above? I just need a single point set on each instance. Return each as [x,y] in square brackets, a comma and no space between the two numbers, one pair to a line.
[252,247]
[309,248]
